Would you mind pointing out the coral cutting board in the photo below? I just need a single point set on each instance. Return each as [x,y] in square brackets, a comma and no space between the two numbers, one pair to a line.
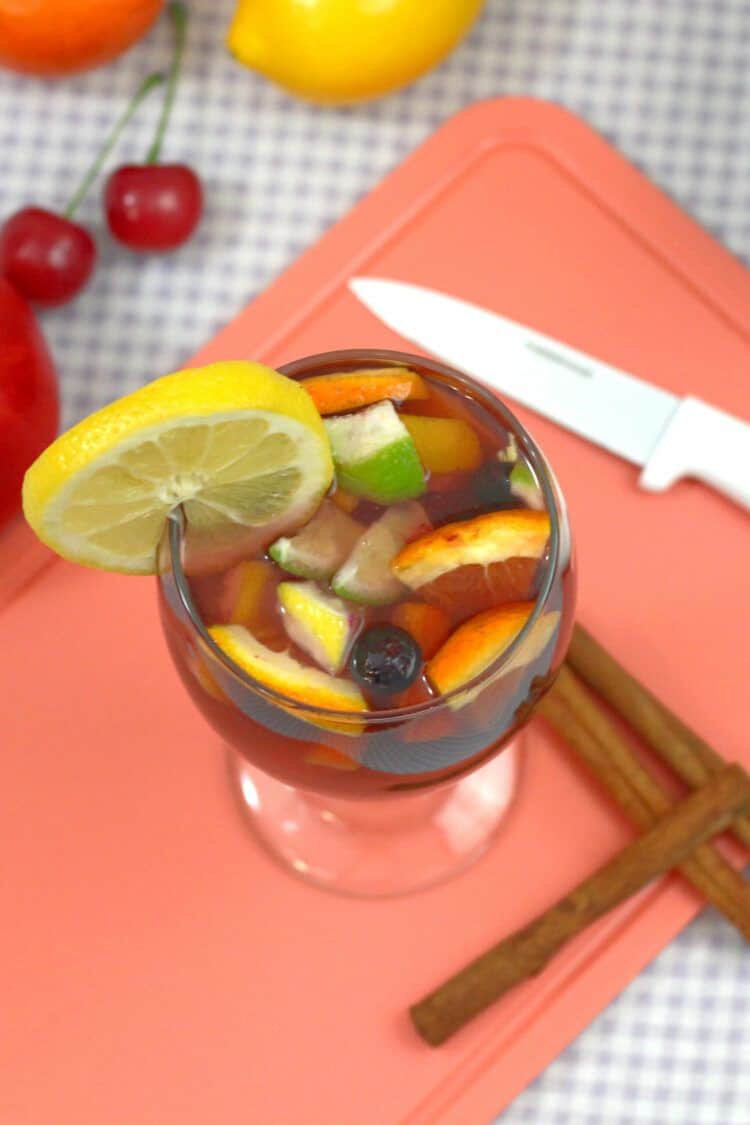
[157,968]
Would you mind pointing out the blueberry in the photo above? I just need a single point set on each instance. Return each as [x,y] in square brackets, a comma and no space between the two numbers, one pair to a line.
[386,660]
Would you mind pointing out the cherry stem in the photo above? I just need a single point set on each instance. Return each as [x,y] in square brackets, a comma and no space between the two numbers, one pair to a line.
[143,90]
[179,16]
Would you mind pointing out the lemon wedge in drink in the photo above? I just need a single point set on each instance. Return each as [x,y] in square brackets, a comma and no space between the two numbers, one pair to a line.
[235,443]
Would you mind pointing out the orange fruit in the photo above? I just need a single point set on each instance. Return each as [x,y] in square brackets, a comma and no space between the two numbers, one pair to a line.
[476,644]
[53,37]
[469,590]
[470,566]
[279,671]
[479,642]
[334,394]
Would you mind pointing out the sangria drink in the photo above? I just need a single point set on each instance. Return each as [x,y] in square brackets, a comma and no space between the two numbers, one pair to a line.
[394,641]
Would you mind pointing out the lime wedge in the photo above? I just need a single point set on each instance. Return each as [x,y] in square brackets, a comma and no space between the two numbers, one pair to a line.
[321,546]
[375,455]
[523,484]
[366,576]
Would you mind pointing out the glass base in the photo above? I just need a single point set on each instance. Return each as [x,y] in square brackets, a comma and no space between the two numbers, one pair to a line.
[391,846]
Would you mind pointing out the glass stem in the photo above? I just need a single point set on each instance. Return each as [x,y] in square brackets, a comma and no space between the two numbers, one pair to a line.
[179,16]
[145,88]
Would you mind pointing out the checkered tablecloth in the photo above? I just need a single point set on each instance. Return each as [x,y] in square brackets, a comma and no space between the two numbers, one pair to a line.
[668,82]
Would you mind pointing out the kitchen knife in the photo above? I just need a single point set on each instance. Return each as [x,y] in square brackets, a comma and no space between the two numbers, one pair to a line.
[671,437]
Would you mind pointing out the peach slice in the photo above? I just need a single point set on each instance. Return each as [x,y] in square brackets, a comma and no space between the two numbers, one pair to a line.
[471,566]
[444,445]
[333,759]
[334,394]
[429,625]
[344,500]
[244,587]
[477,643]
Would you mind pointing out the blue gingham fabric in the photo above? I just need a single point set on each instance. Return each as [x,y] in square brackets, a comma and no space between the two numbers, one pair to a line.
[668,82]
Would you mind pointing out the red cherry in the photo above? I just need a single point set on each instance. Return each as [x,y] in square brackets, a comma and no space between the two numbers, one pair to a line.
[45,256]
[153,206]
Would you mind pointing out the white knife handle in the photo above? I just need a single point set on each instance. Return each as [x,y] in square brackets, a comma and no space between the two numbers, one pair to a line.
[701,441]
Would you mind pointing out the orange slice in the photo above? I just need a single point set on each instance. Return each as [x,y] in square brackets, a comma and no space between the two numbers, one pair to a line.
[471,566]
[334,394]
[477,643]
[429,625]
[287,676]
[444,445]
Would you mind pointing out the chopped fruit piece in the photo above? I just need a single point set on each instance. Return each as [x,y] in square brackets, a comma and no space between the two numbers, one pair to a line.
[523,484]
[335,394]
[319,623]
[283,674]
[485,539]
[491,486]
[468,590]
[429,625]
[244,586]
[322,545]
[375,455]
[234,443]
[334,759]
[366,576]
[476,644]
[510,454]
[445,445]
[386,660]
[344,500]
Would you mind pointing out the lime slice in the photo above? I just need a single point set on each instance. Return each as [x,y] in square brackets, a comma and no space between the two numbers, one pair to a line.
[279,671]
[523,484]
[321,546]
[322,625]
[366,576]
[236,443]
[375,455]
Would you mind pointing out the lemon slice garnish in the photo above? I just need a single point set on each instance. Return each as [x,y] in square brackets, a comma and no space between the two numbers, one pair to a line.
[234,443]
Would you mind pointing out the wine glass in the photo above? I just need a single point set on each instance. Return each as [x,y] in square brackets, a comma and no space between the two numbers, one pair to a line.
[389,801]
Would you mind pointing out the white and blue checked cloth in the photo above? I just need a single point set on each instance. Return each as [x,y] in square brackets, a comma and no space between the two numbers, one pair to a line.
[668,82]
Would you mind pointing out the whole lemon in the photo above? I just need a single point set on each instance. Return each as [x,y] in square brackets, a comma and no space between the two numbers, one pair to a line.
[339,51]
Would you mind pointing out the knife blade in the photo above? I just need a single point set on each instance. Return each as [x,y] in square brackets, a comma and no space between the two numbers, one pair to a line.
[628,416]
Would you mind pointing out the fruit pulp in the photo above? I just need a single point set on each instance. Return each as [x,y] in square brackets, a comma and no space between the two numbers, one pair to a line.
[483,546]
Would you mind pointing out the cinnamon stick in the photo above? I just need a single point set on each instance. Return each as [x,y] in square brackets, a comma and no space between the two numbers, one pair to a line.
[687,753]
[581,721]
[524,954]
